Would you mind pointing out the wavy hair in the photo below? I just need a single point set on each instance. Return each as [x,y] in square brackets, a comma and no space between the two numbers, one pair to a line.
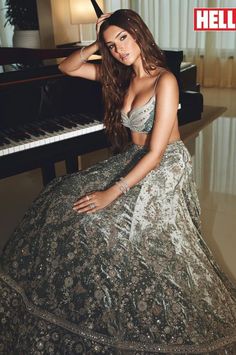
[116,76]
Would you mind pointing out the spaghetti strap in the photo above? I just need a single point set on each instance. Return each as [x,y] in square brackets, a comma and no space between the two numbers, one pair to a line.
[157,79]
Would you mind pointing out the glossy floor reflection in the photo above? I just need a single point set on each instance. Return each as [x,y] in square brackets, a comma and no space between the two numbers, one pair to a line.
[214,165]
[215,174]
[214,162]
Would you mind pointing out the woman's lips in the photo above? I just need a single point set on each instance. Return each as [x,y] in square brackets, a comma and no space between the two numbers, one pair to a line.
[124,57]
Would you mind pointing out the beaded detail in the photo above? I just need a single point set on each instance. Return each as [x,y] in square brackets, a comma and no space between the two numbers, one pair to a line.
[120,344]
[140,119]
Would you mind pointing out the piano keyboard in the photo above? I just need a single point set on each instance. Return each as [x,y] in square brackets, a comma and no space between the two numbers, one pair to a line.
[39,133]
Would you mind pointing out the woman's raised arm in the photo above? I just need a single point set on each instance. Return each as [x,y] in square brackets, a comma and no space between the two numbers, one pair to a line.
[76,64]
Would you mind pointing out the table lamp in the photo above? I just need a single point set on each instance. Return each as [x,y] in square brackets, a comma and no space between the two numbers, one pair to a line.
[82,12]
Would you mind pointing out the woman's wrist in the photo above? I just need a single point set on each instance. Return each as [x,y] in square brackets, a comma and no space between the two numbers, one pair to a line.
[114,191]
[78,58]
[86,51]
[122,185]
[95,45]
[119,188]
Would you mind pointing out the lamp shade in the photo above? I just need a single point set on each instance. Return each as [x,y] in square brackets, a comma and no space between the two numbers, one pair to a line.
[82,11]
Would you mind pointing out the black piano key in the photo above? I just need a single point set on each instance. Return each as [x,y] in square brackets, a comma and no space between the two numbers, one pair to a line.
[14,139]
[58,123]
[65,122]
[82,119]
[51,127]
[36,131]
[4,140]
[46,127]
[10,136]
[16,134]
[78,119]
[33,132]
[90,118]
[19,132]
[42,126]
[80,122]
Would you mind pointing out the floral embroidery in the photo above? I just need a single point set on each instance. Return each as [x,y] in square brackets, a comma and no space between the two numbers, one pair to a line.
[133,278]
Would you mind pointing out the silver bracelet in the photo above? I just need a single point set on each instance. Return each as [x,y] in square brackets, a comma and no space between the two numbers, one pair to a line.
[82,59]
[123,186]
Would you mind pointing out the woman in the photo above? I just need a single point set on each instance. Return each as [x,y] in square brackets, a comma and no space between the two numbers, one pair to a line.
[110,260]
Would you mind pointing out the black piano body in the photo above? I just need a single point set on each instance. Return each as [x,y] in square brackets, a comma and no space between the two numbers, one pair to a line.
[40,100]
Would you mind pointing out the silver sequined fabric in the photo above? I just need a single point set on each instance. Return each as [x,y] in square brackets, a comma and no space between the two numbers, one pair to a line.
[133,278]
[141,119]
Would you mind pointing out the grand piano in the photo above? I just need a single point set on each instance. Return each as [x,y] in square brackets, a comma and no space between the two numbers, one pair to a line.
[47,117]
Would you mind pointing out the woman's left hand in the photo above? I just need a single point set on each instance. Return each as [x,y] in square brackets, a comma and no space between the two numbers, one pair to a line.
[100,21]
[94,201]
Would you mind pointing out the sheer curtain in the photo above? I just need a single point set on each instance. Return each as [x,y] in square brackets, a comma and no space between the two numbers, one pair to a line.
[113,5]
[171,22]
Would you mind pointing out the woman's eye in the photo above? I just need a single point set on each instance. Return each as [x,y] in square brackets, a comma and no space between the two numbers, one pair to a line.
[111,47]
[123,37]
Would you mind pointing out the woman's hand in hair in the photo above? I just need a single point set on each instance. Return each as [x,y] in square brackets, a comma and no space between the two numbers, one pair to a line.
[100,20]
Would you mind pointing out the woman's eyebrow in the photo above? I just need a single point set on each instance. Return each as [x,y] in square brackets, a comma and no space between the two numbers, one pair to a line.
[115,36]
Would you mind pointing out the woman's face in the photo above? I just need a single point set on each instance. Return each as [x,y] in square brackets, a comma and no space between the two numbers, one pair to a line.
[121,45]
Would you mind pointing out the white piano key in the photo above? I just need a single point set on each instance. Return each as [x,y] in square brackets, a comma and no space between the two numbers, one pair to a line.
[26,146]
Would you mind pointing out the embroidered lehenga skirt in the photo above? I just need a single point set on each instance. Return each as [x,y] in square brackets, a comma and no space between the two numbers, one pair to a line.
[133,278]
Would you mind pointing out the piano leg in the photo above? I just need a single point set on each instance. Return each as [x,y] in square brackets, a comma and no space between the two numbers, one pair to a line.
[48,168]
[48,172]
[71,164]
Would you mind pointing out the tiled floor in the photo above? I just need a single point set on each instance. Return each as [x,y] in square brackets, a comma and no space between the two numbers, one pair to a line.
[214,164]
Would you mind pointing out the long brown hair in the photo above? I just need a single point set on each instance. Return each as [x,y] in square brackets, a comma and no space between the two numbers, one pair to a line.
[116,77]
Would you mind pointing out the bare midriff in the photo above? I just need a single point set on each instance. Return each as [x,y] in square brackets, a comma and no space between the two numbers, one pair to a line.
[140,138]
[144,138]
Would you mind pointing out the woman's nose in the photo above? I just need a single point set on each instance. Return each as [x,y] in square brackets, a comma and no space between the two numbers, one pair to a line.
[119,48]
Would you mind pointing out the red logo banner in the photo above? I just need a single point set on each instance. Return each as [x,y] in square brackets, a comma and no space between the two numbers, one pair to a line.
[214,19]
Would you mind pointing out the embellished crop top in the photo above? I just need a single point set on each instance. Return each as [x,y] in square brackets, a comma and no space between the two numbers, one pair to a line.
[141,119]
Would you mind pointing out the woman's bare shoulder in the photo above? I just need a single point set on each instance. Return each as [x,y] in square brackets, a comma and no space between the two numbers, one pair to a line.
[166,80]
[166,75]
